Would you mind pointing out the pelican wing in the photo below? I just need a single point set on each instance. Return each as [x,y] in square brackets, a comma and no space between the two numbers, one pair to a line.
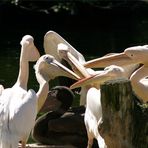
[4,118]
[4,105]
[24,111]
[14,116]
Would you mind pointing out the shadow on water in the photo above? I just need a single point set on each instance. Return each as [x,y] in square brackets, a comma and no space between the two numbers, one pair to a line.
[94,33]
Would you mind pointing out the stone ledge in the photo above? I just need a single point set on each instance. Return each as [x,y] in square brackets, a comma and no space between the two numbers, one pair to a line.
[47,146]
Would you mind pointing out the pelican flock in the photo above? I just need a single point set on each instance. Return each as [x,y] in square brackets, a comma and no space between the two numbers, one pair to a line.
[19,106]
[93,113]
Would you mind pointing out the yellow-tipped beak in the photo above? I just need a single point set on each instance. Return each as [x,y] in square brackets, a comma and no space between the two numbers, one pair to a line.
[98,78]
[80,83]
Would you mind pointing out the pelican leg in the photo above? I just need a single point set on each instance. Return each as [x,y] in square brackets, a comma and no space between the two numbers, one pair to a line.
[90,140]
[99,138]
[101,142]
[23,144]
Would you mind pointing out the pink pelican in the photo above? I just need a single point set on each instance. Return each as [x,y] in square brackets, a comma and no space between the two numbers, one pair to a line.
[18,95]
[93,113]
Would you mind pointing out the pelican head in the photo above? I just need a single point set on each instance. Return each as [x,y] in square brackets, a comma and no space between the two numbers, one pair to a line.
[49,67]
[76,65]
[29,51]
[138,53]
[26,40]
[51,41]
[63,52]
[110,72]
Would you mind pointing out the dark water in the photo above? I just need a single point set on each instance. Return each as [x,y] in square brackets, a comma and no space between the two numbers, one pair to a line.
[92,34]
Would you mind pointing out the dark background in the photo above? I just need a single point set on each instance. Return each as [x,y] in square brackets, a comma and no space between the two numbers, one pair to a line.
[94,28]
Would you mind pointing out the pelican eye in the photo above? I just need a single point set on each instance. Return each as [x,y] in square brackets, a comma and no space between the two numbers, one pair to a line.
[48,59]
[132,55]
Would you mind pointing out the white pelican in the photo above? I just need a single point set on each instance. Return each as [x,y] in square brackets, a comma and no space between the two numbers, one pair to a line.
[11,98]
[55,69]
[93,113]
[53,42]
[77,67]
[63,51]
[19,107]
[139,78]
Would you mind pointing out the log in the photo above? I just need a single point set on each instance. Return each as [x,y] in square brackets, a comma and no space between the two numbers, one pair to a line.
[125,118]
